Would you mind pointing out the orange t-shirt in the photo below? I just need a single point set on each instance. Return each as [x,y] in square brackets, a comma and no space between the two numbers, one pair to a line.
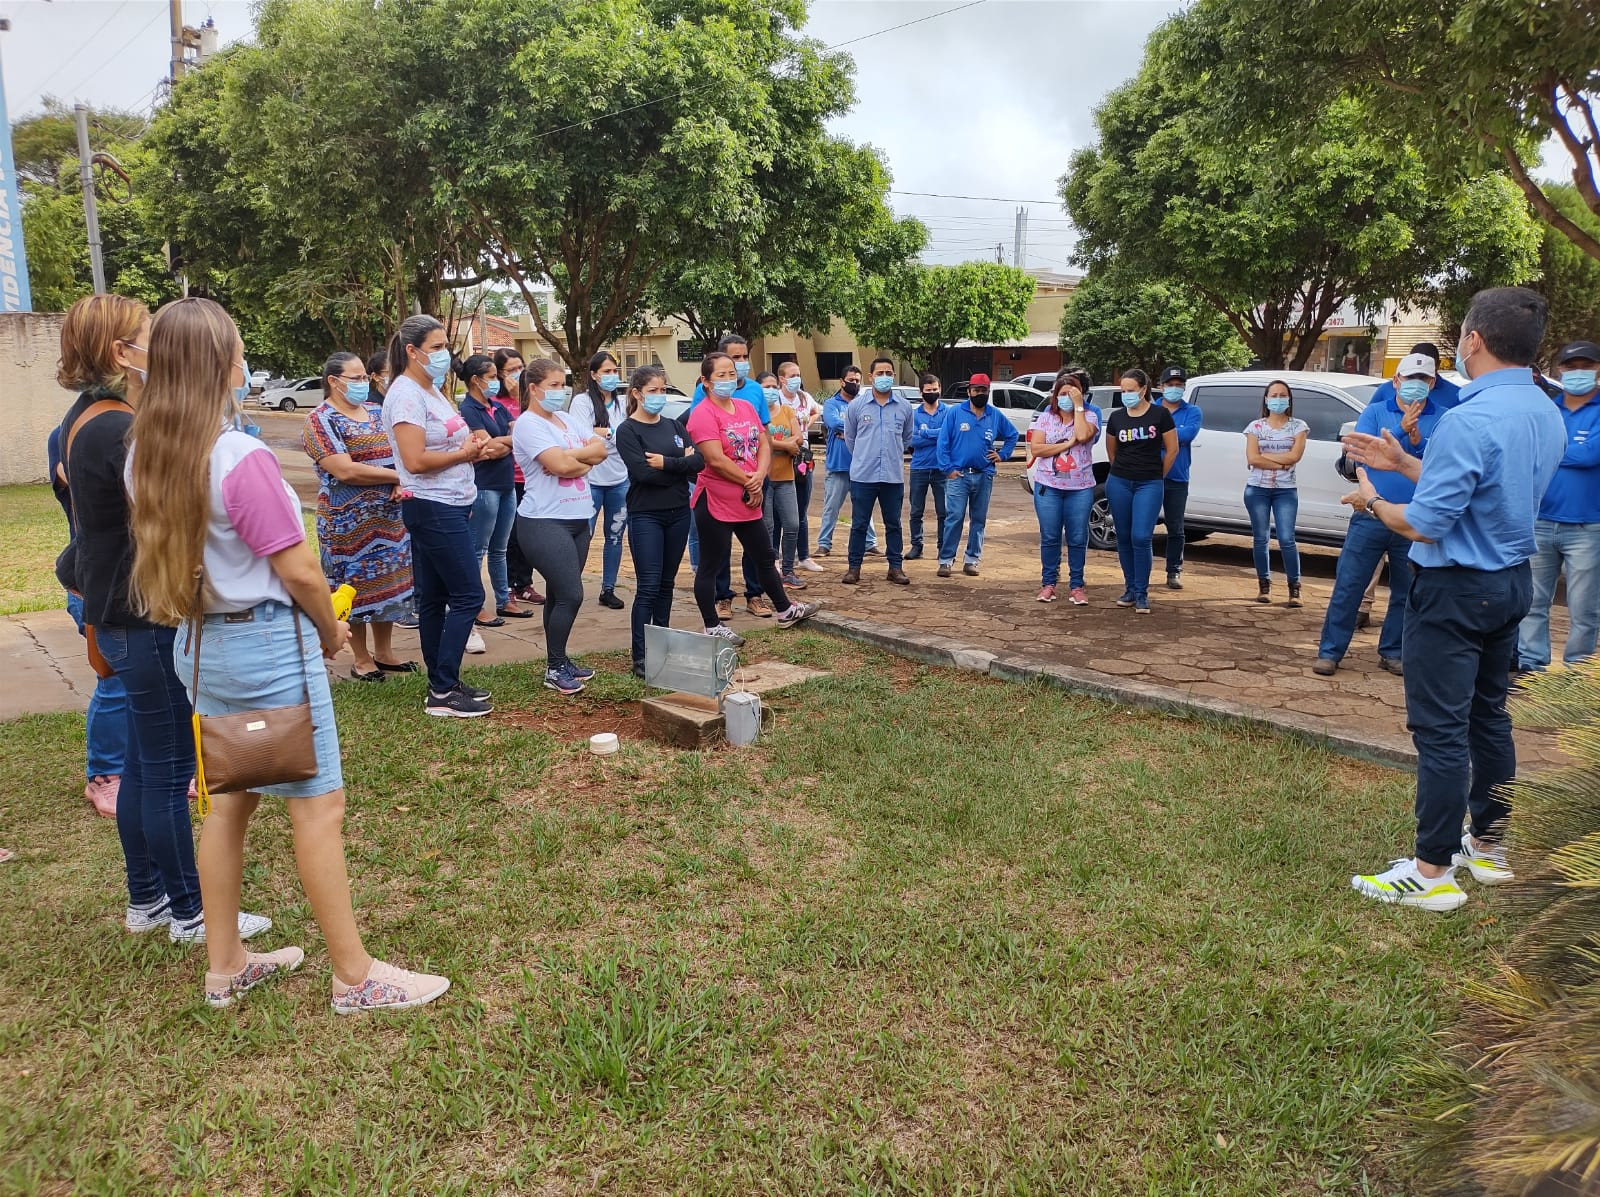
[782,463]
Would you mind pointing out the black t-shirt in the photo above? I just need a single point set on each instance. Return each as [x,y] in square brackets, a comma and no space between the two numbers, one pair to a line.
[650,489]
[1139,442]
[102,543]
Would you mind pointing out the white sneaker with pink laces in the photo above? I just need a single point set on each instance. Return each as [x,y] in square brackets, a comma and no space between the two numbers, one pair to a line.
[387,988]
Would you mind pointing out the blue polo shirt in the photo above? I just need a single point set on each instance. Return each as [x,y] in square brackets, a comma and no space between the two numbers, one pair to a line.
[1486,471]
[499,474]
[1573,496]
[1444,396]
[966,439]
[877,434]
[1186,418]
[1391,484]
[925,427]
[837,458]
[749,390]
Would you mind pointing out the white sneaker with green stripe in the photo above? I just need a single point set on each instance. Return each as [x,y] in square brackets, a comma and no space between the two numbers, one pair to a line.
[1403,883]
[1488,864]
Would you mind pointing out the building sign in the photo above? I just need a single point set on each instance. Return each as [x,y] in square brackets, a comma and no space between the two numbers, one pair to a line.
[15,295]
[691,350]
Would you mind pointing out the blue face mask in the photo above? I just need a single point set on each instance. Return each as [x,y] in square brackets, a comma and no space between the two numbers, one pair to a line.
[610,382]
[1578,382]
[1413,390]
[792,384]
[357,392]
[725,388]
[772,395]
[883,383]
[554,400]
[1277,405]
[438,365]
[241,393]
[654,404]
[742,369]
[492,387]
[1172,394]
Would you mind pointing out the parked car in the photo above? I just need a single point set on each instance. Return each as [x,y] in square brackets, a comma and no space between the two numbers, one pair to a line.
[1328,402]
[303,392]
[1040,381]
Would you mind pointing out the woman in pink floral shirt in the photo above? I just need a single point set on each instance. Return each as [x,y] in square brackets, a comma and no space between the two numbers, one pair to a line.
[1061,451]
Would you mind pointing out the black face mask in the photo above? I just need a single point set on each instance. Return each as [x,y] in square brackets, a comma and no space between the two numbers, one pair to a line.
[851,388]
[931,396]
[980,399]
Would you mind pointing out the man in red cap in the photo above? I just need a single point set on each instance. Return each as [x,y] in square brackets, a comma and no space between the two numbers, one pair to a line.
[974,439]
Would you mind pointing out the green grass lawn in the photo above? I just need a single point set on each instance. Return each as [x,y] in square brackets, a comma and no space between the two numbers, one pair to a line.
[33,531]
[934,934]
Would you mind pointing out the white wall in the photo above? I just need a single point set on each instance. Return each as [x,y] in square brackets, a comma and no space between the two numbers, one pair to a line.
[31,403]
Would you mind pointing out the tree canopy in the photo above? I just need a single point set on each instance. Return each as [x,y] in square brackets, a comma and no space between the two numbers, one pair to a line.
[920,313]
[1115,321]
[1279,231]
[1568,277]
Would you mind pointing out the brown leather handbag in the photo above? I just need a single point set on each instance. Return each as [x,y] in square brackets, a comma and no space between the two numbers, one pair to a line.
[246,751]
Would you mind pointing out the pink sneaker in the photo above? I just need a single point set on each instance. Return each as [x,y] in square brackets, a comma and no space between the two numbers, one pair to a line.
[1047,594]
[194,789]
[387,988]
[222,990]
[1079,598]
[101,793]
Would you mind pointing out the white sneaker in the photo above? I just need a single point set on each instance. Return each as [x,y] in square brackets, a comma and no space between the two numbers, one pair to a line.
[195,930]
[1404,884]
[723,632]
[810,566]
[475,642]
[1488,865]
[141,920]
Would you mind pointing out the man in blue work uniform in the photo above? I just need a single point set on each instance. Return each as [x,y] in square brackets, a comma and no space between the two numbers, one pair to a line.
[1472,518]
[1568,530]
[1411,418]
[974,439]
[1175,487]
[877,431]
[1445,395]
[836,486]
[926,420]
[755,600]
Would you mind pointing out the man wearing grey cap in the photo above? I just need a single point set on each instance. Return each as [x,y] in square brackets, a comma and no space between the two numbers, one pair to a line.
[1568,531]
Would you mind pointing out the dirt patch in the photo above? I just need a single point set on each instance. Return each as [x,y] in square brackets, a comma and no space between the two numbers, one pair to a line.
[579,719]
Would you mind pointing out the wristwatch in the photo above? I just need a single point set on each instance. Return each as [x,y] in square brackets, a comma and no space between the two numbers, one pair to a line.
[1372,504]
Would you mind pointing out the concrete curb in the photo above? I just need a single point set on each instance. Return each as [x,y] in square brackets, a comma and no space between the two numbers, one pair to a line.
[1395,751]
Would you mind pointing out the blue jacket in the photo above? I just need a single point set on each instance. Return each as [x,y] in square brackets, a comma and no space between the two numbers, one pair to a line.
[837,458]
[749,390]
[1392,484]
[1186,417]
[966,438]
[1444,396]
[925,436]
[1573,496]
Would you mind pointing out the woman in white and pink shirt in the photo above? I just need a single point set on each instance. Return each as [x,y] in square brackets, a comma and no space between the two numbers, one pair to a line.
[1061,450]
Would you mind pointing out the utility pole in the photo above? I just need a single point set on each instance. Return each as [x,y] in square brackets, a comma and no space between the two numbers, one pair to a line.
[91,217]
[1019,245]
[1000,252]
[175,9]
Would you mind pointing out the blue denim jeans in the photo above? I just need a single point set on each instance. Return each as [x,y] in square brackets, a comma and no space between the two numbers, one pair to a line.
[965,495]
[1365,545]
[1575,549]
[1461,630]
[1174,503]
[888,496]
[107,727]
[1280,506]
[613,502]
[1063,515]
[923,482]
[153,803]
[835,490]
[656,539]
[493,516]
[781,514]
[1135,507]
[449,590]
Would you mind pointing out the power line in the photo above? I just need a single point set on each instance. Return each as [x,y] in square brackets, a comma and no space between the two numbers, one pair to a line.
[158,15]
[82,46]
[985,199]
[907,24]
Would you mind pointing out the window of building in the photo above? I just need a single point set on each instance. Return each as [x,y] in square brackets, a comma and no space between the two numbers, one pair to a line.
[630,361]
[774,360]
[831,366]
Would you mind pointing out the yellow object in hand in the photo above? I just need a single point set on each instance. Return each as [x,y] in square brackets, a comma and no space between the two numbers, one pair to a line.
[344,601]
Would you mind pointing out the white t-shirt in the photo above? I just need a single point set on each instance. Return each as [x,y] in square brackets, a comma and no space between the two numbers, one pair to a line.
[544,496]
[443,429]
[805,408]
[1274,440]
[613,471]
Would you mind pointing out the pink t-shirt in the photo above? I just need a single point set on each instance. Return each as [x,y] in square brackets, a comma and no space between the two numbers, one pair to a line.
[739,432]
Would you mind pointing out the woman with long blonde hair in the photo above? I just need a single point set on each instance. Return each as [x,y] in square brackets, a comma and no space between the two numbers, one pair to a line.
[220,546]
[104,354]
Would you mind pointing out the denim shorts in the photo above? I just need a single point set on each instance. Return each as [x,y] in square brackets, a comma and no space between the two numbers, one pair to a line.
[252,664]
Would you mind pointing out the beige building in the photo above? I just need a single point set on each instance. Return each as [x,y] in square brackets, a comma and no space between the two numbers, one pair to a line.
[31,404]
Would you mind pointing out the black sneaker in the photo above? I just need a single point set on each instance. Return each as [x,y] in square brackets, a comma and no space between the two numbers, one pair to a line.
[474,692]
[608,598]
[455,705]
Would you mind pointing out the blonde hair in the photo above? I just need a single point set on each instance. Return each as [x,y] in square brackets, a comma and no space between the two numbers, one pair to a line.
[92,329]
[181,412]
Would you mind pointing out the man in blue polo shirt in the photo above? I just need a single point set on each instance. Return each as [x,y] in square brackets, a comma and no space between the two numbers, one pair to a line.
[836,485]
[1410,417]
[1568,530]
[1446,394]
[1175,486]
[974,439]
[877,430]
[755,600]
[1472,518]
[926,420]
